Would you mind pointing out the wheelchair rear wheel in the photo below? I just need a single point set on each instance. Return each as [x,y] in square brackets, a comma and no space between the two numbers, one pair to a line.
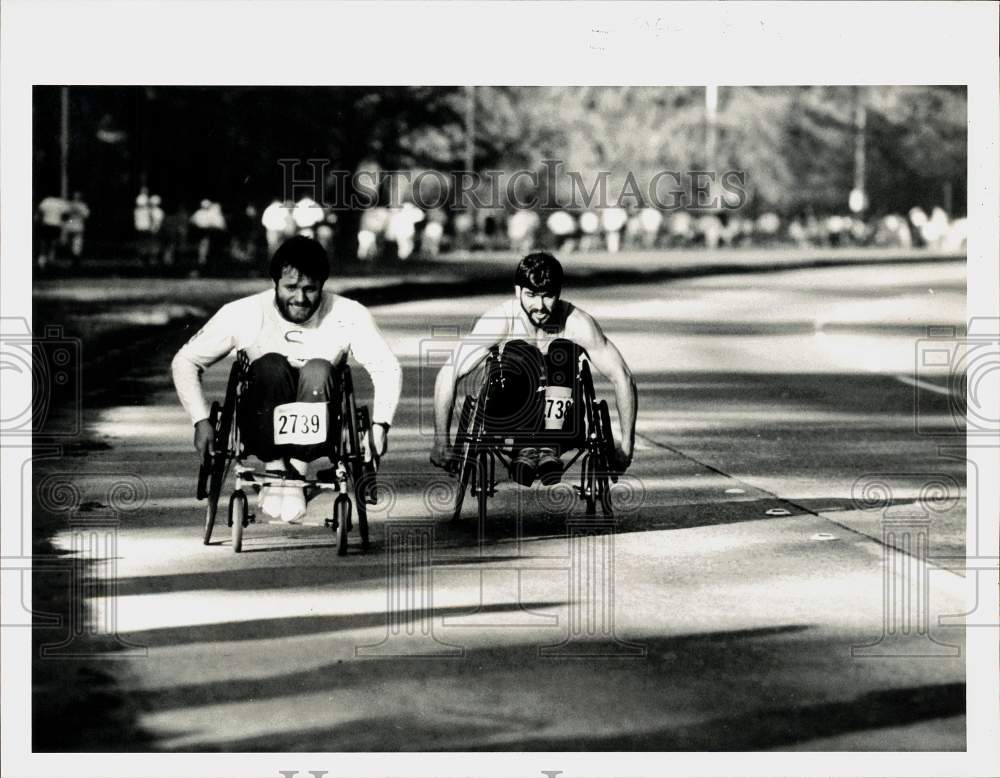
[463,442]
[214,467]
[210,481]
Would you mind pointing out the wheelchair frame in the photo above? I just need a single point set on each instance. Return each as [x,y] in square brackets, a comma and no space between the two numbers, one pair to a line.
[478,450]
[353,464]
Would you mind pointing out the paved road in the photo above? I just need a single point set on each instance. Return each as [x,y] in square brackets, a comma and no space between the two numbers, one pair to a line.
[777,431]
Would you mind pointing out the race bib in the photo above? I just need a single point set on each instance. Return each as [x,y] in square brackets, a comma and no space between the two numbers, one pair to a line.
[558,401]
[300,424]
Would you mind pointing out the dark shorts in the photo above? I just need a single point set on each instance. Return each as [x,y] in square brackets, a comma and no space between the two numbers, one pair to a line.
[517,403]
[272,381]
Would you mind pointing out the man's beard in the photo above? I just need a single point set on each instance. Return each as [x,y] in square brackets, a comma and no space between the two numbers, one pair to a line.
[296,314]
[545,317]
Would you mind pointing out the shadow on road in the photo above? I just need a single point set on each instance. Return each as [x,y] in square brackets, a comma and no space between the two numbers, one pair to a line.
[683,707]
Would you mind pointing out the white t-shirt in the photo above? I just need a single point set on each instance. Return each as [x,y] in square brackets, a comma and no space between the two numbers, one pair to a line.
[53,209]
[340,327]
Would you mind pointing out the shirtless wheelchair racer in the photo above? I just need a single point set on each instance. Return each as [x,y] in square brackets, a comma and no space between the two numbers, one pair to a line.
[539,338]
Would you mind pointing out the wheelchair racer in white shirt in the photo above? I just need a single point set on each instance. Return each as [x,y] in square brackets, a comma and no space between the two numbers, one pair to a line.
[296,336]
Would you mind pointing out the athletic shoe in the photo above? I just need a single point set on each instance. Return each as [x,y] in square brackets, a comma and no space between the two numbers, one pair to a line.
[283,503]
[524,466]
[550,468]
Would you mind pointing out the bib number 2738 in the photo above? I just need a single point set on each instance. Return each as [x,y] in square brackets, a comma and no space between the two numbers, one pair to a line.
[300,424]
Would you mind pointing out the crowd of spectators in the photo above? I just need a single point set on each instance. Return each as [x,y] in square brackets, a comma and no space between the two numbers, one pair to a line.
[210,240]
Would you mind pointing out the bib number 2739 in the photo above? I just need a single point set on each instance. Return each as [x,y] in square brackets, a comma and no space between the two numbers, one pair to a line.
[300,424]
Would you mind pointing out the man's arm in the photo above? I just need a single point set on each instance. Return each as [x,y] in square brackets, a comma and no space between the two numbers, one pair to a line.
[604,355]
[373,353]
[206,347]
[470,353]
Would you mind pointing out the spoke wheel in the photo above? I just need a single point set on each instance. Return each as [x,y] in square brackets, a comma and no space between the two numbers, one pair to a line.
[210,510]
[463,442]
[237,517]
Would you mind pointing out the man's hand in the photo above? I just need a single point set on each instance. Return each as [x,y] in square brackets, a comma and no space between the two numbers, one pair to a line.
[622,459]
[204,438]
[379,439]
[441,455]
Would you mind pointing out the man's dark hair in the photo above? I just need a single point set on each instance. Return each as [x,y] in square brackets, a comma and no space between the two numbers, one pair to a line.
[305,255]
[539,272]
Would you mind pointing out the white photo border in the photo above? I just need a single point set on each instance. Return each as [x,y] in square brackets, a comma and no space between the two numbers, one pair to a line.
[321,43]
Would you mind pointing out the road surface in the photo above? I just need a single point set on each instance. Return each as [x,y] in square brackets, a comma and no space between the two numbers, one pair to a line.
[748,594]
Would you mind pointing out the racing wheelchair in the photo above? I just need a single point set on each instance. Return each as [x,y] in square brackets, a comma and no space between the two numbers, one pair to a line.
[354,464]
[478,448]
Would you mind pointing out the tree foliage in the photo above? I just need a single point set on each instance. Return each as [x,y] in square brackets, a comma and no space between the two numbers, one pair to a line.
[796,144]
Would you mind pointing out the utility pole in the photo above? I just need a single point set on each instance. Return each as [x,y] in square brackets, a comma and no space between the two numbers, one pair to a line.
[711,137]
[64,142]
[470,128]
[858,201]
[711,124]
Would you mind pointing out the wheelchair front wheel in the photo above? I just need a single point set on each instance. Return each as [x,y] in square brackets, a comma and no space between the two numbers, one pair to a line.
[238,511]
[363,523]
[342,522]
[483,484]
[588,484]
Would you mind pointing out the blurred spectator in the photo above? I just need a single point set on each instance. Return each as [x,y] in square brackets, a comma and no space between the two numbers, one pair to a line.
[521,229]
[174,236]
[325,230]
[245,236]
[633,230]
[402,228]
[156,217]
[76,217]
[937,228]
[51,212]
[464,224]
[590,226]
[371,236]
[680,229]
[490,236]
[563,226]
[142,219]
[956,239]
[859,232]
[710,227]
[650,219]
[919,221]
[892,230]
[307,214]
[210,226]
[836,228]
[797,233]
[430,244]
[767,228]
[613,220]
[278,223]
